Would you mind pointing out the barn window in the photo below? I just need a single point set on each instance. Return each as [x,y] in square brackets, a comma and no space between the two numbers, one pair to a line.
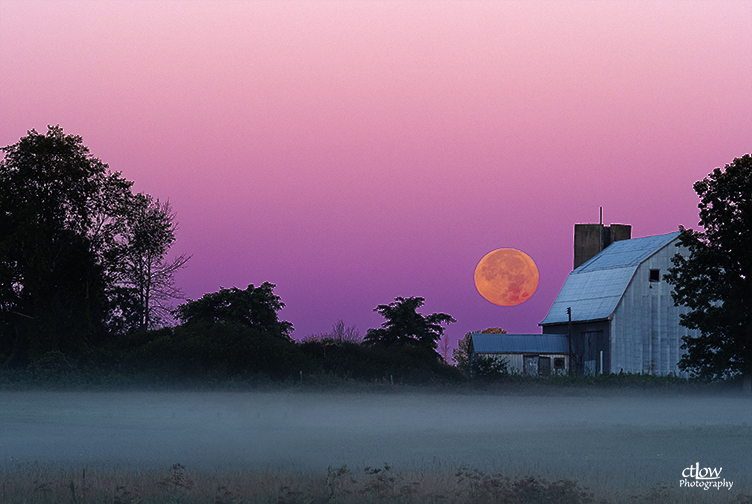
[655,275]
[559,363]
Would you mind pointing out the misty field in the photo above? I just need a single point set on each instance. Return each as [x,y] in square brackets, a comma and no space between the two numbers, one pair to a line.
[614,444]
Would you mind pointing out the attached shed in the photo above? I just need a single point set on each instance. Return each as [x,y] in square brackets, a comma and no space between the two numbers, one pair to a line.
[622,315]
[531,354]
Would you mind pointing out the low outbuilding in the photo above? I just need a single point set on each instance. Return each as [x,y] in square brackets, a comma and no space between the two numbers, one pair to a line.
[529,354]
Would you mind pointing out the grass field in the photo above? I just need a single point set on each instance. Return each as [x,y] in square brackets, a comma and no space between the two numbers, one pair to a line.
[409,445]
[34,484]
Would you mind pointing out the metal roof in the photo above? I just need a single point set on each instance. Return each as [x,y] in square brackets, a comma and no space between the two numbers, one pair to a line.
[520,343]
[594,290]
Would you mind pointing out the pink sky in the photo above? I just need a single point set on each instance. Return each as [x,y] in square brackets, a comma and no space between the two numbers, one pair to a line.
[352,152]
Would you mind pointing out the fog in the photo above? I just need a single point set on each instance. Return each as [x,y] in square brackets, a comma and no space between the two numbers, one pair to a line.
[650,438]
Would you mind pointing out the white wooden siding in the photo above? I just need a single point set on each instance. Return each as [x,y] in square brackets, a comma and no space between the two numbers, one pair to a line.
[515,362]
[645,330]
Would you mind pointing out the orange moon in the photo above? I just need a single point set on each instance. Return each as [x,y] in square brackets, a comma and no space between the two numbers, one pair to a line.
[506,277]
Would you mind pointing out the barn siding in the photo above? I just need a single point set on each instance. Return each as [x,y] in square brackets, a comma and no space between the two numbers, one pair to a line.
[516,361]
[645,330]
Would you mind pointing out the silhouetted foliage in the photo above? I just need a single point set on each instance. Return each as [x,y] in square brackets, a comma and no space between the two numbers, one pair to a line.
[375,363]
[405,327]
[485,367]
[66,224]
[220,350]
[143,280]
[254,307]
[51,277]
[339,334]
[715,281]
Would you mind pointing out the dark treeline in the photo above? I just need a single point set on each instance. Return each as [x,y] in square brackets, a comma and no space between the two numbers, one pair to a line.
[235,334]
[86,287]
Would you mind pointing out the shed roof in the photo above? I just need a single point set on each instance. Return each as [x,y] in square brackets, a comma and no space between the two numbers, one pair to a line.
[594,290]
[520,343]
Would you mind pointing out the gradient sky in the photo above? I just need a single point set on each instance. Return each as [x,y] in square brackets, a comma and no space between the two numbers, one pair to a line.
[354,151]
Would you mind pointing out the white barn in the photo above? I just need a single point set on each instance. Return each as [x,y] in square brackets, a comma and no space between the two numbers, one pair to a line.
[623,317]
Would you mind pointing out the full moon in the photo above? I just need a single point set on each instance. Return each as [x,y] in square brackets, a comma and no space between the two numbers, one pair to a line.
[506,277]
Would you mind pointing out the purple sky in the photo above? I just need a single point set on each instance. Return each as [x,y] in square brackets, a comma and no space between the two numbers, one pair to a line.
[352,152]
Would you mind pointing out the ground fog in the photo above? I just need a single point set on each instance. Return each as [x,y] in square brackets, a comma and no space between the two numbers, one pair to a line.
[645,439]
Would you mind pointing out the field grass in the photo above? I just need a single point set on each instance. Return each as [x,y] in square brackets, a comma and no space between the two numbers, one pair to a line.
[81,482]
[33,484]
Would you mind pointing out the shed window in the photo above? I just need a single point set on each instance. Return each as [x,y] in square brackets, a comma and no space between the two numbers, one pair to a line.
[655,275]
[559,363]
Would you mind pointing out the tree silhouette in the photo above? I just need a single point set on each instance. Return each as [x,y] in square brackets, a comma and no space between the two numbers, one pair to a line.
[67,225]
[255,307]
[143,279]
[405,327]
[715,280]
[57,219]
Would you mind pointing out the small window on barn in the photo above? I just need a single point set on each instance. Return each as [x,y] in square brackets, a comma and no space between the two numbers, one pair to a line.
[655,275]
[559,363]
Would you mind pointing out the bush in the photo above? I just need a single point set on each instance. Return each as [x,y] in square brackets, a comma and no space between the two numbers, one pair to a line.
[375,363]
[484,367]
[221,351]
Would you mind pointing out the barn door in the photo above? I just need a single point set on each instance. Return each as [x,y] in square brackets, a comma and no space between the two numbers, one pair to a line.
[593,341]
[544,366]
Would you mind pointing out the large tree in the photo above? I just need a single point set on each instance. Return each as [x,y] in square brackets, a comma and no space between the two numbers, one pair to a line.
[65,221]
[143,280]
[51,274]
[715,280]
[254,307]
[405,327]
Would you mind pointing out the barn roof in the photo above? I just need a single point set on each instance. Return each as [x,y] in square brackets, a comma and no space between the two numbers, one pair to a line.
[520,343]
[595,288]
